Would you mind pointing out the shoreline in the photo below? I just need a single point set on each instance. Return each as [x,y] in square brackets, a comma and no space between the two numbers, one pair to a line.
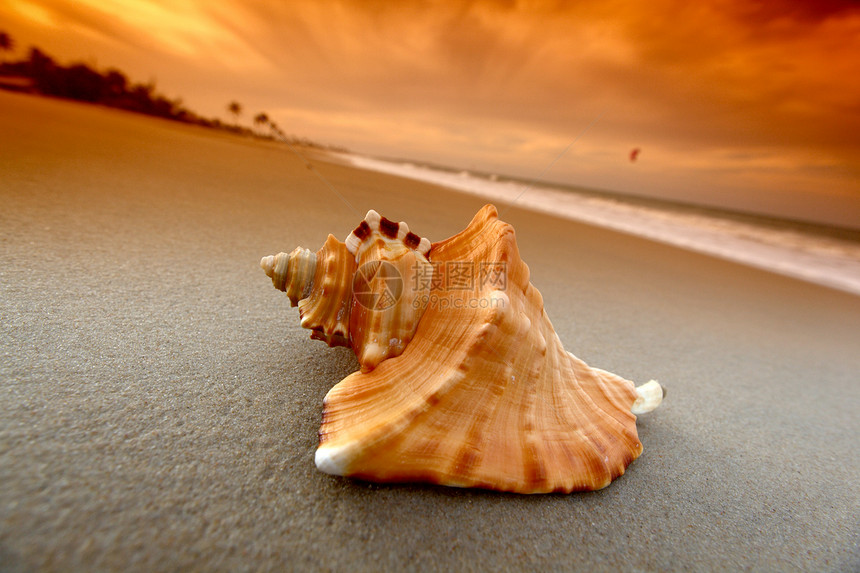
[829,260]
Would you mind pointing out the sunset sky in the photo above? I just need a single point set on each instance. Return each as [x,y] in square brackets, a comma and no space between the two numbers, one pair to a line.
[749,104]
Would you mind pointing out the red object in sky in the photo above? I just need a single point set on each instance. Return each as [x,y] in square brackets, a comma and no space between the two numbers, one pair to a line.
[634,154]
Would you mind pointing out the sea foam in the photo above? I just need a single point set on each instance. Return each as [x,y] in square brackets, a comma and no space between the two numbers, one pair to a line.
[818,258]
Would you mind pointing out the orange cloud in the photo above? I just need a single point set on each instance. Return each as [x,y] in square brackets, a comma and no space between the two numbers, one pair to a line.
[724,97]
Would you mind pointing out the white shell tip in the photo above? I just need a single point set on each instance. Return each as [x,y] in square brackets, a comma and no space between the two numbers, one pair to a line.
[373,218]
[402,230]
[352,242]
[648,397]
[326,460]
[268,264]
[423,246]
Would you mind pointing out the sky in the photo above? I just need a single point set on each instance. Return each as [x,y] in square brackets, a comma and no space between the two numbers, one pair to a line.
[753,105]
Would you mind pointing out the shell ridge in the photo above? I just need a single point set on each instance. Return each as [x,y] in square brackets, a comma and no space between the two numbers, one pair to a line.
[481,223]
[625,445]
[470,458]
[622,385]
[514,326]
[603,389]
[620,412]
[592,436]
[327,307]
[389,231]
[608,414]
[559,445]
[534,295]
[580,451]
[384,436]
[379,437]
[360,385]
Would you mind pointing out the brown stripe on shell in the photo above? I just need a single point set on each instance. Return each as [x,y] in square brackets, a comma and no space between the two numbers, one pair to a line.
[362,231]
[466,460]
[534,471]
[412,240]
[389,228]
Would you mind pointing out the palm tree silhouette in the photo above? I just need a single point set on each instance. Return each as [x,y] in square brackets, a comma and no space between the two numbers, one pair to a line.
[6,43]
[261,119]
[235,108]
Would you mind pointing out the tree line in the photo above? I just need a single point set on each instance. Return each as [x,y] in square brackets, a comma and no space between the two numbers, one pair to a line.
[39,73]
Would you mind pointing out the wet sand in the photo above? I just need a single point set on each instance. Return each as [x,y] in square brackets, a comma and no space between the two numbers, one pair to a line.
[161,402]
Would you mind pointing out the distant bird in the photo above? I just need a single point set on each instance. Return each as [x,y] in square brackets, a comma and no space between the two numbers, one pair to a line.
[634,154]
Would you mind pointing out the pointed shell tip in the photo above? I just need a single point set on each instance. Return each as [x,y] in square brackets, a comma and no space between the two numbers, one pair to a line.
[648,397]
[268,264]
[373,218]
[326,461]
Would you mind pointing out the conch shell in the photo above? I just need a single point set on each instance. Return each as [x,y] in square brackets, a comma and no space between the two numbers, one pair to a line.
[463,380]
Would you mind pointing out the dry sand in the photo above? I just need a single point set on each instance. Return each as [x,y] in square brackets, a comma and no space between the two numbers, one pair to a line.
[161,403]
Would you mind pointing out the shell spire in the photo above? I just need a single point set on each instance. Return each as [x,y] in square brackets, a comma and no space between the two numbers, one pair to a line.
[292,273]
[367,293]
[318,283]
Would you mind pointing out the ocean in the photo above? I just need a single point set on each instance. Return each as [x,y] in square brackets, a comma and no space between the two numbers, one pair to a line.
[814,253]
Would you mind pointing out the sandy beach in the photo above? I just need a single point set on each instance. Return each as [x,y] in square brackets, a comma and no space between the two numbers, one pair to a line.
[161,402]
